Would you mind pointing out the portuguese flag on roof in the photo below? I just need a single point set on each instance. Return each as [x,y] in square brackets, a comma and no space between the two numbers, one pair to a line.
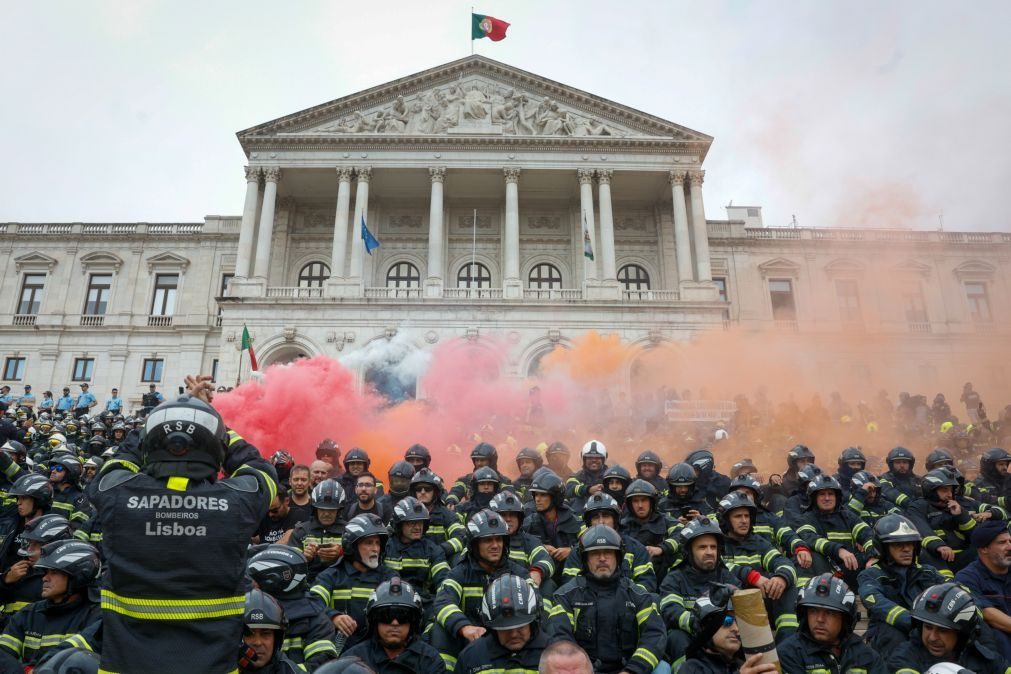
[487,26]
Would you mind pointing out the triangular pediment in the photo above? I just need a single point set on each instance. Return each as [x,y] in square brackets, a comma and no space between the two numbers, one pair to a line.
[34,261]
[102,259]
[845,265]
[167,261]
[779,266]
[975,268]
[912,267]
[475,96]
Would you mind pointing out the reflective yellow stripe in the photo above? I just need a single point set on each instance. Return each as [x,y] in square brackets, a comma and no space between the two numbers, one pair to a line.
[178,483]
[644,654]
[15,606]
[12,643]
[173,609]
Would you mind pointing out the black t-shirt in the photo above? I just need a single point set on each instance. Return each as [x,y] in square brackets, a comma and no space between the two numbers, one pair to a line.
[302,513]
[270,531]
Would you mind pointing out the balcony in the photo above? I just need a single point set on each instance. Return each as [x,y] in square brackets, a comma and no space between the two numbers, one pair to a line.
[919,327]
[92,320]
[650,295]
[24,320]
[553,294]
[382,293]
[786,324]
[294,292]
[159,321]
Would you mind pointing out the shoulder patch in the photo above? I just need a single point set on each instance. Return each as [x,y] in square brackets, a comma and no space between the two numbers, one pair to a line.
[245,483]
[115,478]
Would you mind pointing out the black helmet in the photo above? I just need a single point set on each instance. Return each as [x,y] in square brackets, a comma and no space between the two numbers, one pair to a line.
[35,485]
[45,529]
[900,454]
[545,481]
[329,451]
[349,664]
[702,460]
[426,476]
[949,606]
[419,452]
[401,469]
[70,661]
[395,593]
[557,447]
[681,475]
[357,454]
[263,612]
[77,559]
[487,524]
[97,445]
[708,613]
[894,528]
[642,488]
[601,537]
[808,473]
[72,466]
[15,449]
[862,477]
[747,481]
[600,502]
[510,602]
[487,474]
[483,450]
[939,457]
[507,502]
[649,456]
[184,430]
[98,427]
[328,495]
[701,526]
[937,478]
[797,453]
[852,454]
[280,570]
[532,454]
[733,501]
[827,591]
[988,463]
[617,472]
[743,467]
[822,483]
[361,527]
[409,509]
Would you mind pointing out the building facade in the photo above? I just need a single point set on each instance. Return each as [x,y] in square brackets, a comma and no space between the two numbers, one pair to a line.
[507,206]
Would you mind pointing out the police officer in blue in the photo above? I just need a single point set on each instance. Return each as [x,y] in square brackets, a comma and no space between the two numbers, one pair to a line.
[65,402]
[114,404]
[84,402]
[5,397]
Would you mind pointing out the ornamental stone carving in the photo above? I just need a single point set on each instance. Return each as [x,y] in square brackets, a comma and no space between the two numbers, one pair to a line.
[344,174]
[544,222]
[364,173]
[585,176]
[437,174]
[696,177]
[677,177]
[604,176]
[512,175]
[253,174]
[272,174]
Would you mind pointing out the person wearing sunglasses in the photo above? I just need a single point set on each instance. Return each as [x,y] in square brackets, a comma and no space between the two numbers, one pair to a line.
[716,644]
[444,526]
[514,642]
[394,644]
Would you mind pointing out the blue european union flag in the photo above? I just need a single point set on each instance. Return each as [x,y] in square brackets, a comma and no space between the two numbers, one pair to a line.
[371,242]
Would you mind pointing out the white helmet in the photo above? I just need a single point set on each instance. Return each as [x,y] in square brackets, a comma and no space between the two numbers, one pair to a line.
[593,449]
[720,434]
[948,668]
[60,437]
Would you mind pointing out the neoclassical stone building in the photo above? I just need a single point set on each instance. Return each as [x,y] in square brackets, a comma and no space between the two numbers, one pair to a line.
[488,188]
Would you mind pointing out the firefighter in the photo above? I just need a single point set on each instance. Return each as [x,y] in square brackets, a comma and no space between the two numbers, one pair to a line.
[827,612]
[412,555]
[608,615]
[716,644]
[889,587]
[282,572]
[798,457]
[65,472]
[588,480]
[552,522]
[357,462]
[770,525]
[319,538]
[22,583]
[646,524]
[68,604]
[483,454]
[840,540]
[523,548]
[418,456]
[265,629]
[866,498]
[616,481]
[648,466]
[944,523]
[710,484]
[900,477]
[173,593]
[343,589]
[514,643]
[444,526]
[684,502]
[557,457]
[458,601]
[485,483]
[394,645]
[946,628]
[528,460]
[991,484]
[33,494]
[399,475]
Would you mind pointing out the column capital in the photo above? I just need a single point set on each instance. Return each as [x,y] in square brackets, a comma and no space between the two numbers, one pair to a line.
[604,176]
[437,174]
[696,176]
[512,174]
[364,173]
[677,177]
[344,174]
[272,174]
[252,173]
[585,176]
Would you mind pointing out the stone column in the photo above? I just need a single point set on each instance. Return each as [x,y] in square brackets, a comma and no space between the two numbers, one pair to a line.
[436,253]
[606,225]
[364,174]
[682,237]
[339,254]
[248,229]
[262,268]
[586,219]
[703,268]
[512,287]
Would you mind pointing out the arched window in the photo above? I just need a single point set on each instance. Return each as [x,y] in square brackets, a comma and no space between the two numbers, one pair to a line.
[403,275]
[633,277]
[313,275]
[545,276]
[473,275]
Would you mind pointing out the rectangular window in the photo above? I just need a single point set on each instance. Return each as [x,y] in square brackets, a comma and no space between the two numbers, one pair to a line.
[164,301]
[14,369]
[99,287]
[226,280]
[31,294]
[151,372]
[214,370]
[781,294]
[979,302]
[84,368]
[913,304]
[848,293]
[721,285]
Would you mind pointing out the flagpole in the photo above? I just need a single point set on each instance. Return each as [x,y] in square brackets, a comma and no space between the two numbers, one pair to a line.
[238,373]
[471,26]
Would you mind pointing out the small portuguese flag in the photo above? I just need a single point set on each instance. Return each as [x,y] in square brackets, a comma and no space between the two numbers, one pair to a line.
[247,345]
[487,26]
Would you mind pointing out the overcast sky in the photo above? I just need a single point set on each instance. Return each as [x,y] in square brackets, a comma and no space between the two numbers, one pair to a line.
[841,113]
